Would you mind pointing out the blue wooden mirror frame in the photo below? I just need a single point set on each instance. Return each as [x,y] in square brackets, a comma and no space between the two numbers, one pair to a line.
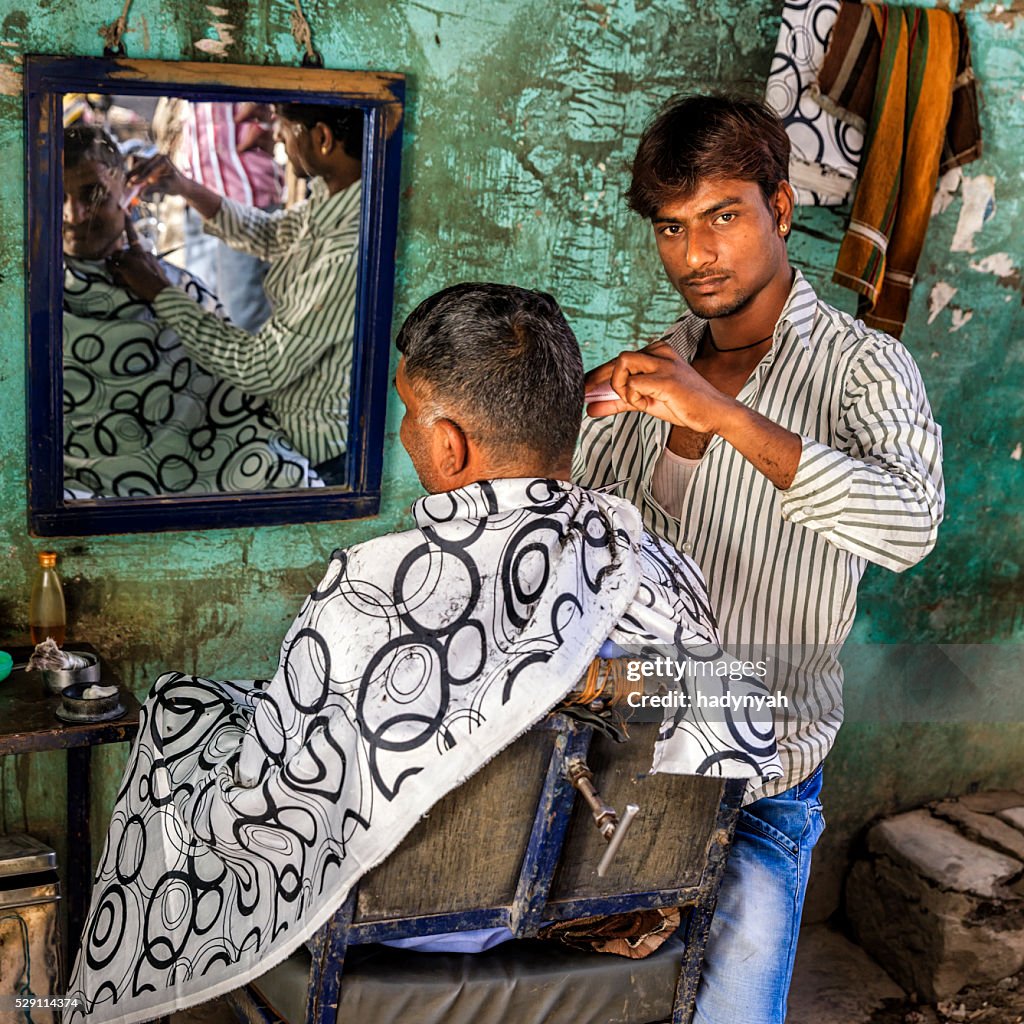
[381,98]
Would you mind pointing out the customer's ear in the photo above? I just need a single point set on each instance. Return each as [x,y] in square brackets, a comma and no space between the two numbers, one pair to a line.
[449,448]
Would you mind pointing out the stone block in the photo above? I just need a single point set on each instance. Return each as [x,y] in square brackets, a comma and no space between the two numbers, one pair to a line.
[937,909]
[940,853]
[984,828]
[992,801]
[1013,816]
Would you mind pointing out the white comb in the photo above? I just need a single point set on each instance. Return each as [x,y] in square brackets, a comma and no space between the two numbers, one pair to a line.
[600,393]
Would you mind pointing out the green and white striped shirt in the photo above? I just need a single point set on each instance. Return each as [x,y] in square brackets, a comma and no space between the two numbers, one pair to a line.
[782,567]
[301,359]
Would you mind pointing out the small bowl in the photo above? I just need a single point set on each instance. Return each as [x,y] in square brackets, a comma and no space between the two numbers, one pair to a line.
[57,680]
[76,708]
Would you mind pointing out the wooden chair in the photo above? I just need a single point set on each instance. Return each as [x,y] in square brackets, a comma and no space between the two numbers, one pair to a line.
[517,846]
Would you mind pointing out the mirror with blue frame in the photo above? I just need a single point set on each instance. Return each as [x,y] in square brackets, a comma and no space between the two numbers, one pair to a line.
[210,281]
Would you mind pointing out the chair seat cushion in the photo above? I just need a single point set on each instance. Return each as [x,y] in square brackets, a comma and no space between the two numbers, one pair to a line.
[519,982]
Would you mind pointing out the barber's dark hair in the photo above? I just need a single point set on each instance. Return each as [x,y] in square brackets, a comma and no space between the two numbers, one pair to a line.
[90,142]
[345,122]
[696,138]
[502,362]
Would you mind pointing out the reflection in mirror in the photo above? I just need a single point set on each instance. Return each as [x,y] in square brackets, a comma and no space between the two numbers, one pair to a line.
[208,316]
[222,263]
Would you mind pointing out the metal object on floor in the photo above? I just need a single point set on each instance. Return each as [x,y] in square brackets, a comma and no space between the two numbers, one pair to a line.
[30,942]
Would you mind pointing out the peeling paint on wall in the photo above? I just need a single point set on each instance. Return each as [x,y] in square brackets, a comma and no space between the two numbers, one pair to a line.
[946,190]
[1000,265]
[10,81]
[979,203]
[959,318]
[217,47]
[939,298]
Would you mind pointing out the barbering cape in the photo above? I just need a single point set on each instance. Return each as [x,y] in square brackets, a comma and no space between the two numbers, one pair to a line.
[248,810]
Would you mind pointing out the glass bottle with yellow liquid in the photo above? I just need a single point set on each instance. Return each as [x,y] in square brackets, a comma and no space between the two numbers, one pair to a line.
[46,614]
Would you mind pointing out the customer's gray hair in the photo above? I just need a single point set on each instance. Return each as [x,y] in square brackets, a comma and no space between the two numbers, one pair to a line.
[500,361]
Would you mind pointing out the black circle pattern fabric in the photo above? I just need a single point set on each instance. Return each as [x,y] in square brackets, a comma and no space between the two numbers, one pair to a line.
[142,418]
[248,810]
[826,151]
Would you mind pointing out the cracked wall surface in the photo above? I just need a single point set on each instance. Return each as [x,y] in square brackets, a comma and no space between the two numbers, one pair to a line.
[522,117]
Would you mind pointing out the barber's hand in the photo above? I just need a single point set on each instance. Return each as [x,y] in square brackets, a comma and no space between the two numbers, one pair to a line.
[659,382]
[137,270]
[158,172]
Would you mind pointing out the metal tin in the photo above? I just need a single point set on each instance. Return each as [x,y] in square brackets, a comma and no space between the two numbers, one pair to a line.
[58,679]
[76,708]
[22,855]
[31,895]
[30,937]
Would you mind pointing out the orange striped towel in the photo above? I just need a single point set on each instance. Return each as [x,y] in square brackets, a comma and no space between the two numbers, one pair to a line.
[906,134]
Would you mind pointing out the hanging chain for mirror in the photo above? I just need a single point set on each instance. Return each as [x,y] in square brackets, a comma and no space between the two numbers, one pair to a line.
[113,34]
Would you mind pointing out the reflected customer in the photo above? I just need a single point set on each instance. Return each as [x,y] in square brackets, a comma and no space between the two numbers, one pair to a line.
[301,359]
[141,417]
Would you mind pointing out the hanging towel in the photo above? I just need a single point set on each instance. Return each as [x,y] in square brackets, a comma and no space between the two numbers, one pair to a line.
[963,133]
[905,139]
[846,77]
[826,149]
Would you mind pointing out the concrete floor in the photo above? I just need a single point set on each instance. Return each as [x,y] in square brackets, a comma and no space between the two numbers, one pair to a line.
[836,982]
[216,1012]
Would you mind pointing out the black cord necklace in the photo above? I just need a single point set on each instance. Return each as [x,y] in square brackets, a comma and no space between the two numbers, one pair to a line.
[711,341]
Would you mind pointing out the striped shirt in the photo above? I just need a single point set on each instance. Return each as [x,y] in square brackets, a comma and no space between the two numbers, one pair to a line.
[783,566]
[301,358]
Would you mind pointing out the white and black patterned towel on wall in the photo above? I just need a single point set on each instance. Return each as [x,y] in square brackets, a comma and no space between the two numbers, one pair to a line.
[826,151]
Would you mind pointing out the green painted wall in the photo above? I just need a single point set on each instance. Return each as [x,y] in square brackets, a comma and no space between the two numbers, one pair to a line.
[522,116]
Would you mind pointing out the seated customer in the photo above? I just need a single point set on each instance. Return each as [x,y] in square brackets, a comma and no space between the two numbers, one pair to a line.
[141,417]
[249,809]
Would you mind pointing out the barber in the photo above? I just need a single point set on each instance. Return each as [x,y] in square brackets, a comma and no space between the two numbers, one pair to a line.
[784,445]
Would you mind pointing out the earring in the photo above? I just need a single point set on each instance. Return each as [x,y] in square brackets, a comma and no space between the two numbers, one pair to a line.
[783,228]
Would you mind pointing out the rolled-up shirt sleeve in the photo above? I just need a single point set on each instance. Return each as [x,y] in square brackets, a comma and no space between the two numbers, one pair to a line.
[253,231]
[285,347]
[877,492]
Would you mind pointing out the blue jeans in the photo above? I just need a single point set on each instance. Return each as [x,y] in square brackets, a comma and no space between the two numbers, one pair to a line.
[750,952]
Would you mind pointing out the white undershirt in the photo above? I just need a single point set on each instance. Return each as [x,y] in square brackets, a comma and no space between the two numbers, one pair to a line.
[672,476]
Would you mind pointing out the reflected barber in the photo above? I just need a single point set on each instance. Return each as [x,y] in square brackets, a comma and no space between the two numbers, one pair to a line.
[301,358]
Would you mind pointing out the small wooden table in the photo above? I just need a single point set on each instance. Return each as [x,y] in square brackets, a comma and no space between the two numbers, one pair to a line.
[28,723]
